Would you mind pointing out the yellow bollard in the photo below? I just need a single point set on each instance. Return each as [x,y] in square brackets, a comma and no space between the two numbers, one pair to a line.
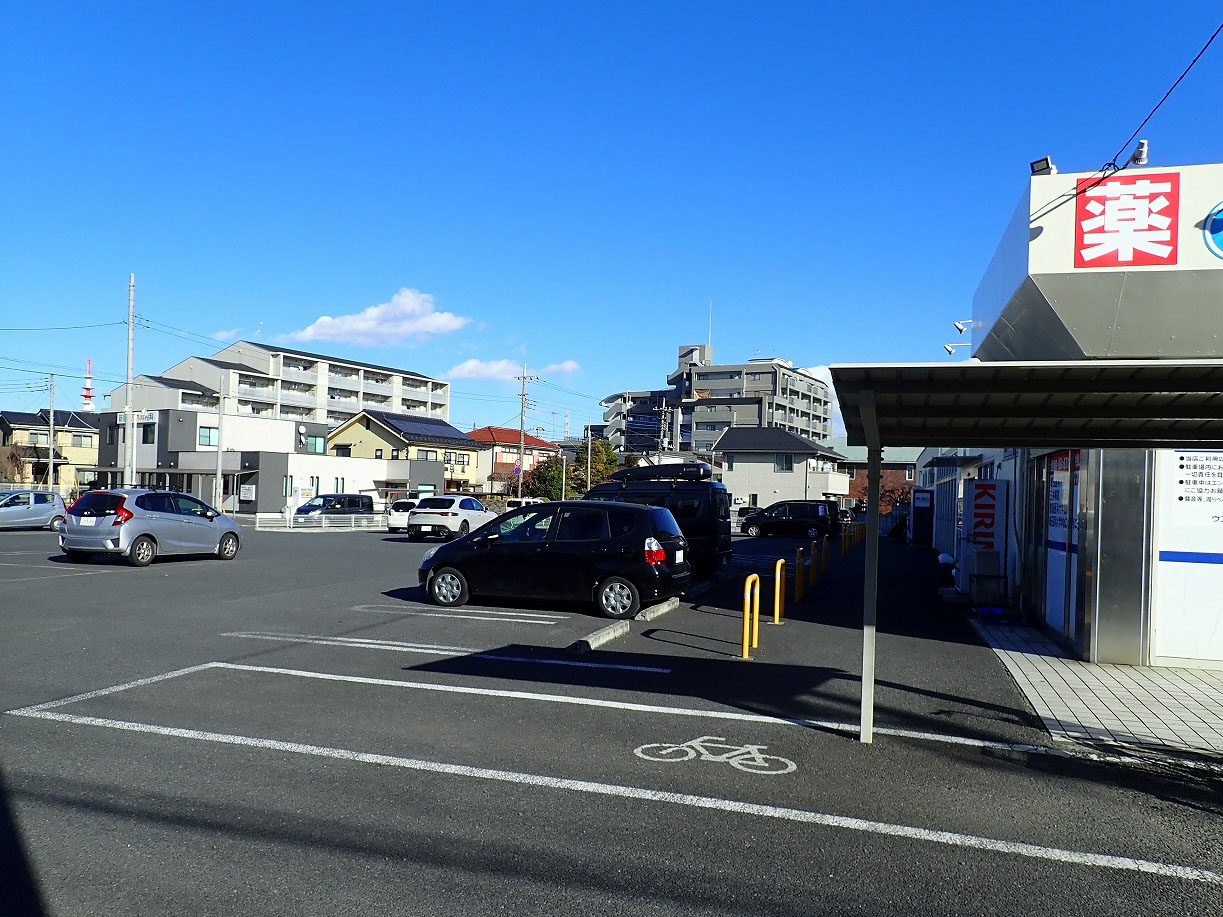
[798,575]
[779,590]
[824,557]
[813,574]
[751,622]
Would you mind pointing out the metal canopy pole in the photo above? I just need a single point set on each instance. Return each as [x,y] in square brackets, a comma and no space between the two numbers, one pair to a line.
[870,585]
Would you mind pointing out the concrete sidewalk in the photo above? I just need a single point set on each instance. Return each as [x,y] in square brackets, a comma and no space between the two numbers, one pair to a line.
[1167,708]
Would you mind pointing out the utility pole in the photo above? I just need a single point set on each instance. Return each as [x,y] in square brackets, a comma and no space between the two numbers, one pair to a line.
[522,425]
[218,486]
[566,423]
[588,456]
[129,421]
[562,474]
[51,436]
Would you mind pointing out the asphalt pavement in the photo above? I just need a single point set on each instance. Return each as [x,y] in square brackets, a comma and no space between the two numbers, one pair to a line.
[298,731]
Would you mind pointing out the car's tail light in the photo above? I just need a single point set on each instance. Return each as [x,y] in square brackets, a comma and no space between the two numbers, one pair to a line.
[655,556]
[74,503]
[122,513]
[447,514]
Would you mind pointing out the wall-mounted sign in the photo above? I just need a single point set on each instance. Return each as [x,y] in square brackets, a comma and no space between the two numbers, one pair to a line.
[246,492]
[985,514]
[1212,230]
[1126,220]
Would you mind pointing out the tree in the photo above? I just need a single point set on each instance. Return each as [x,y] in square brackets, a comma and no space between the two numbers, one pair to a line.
[544,480]
[603,461]
[13,458]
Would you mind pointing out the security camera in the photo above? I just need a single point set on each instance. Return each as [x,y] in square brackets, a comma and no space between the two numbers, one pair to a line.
[1139,156]
[962,326]
[950,348]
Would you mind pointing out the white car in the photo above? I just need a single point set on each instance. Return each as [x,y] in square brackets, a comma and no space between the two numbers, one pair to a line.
[448,517]
[397,514]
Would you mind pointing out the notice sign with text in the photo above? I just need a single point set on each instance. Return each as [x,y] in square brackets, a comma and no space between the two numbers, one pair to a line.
[1188,550]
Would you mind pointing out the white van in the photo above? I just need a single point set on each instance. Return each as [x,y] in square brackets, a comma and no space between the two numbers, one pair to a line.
[519,502]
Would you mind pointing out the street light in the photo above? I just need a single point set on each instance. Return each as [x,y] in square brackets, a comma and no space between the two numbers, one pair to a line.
[962,326]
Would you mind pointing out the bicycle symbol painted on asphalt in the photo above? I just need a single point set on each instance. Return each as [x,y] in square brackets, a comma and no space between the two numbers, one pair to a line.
[714,748]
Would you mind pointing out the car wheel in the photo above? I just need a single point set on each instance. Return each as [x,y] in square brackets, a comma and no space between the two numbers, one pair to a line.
[56,524]
[617,598]
[813,533]
[753,530]
[228,548]
[76,557]
[142,552]
[448,588]
[464,528]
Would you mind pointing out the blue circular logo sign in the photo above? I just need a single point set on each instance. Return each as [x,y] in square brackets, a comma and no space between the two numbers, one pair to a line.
[1212,230]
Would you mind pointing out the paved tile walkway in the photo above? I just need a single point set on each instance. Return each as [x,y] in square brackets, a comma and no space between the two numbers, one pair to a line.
[1111,704]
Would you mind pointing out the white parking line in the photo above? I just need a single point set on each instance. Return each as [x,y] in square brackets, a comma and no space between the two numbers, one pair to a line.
[431,649]
[452,614]
[23,579]
[908,832]
[399,609]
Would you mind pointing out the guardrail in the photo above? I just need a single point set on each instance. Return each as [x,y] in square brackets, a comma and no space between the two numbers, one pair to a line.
[318,523]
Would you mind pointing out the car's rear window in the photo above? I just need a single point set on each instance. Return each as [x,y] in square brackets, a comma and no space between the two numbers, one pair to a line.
[96,504]
[664,522]
[401,506]
[435,503]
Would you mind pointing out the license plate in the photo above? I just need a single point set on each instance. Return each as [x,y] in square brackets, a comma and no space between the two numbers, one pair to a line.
[679,557]
[88,520]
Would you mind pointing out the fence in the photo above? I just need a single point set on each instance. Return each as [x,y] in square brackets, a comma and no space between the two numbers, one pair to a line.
[332,522]
[68,492]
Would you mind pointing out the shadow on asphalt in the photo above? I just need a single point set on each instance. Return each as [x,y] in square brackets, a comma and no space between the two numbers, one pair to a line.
[18,888]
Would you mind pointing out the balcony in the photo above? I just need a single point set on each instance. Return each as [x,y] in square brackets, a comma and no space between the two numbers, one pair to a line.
[377,401]
[293,396]
[296,413]
[257,410]
[412,406]
[351,383]
[376,388]
[258,392]
[299,375]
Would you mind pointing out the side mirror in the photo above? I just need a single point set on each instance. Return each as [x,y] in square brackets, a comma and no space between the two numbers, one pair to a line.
[210,515]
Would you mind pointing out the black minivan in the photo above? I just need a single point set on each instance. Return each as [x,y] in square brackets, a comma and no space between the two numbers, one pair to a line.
[617,556]
[796,519]
[700,505]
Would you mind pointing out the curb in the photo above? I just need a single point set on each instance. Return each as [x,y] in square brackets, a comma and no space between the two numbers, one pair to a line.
[657,611]
[599,638]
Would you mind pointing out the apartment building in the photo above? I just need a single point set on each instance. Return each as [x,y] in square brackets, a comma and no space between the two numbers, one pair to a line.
[704,399]
[263,380]
[27,455]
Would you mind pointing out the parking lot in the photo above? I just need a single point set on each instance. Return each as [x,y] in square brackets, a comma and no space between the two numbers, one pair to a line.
[298,731]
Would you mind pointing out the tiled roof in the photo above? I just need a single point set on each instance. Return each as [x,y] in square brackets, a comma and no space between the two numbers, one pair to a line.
[505,436]
[769,439]
[895,455]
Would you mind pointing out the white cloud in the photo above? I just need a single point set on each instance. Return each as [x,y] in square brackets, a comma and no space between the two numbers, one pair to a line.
[505,369]
[228,334]
[836,421]
[485,369]
[409,315]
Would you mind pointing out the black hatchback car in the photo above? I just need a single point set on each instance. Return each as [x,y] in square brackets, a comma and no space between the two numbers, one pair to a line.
[795,518]
[617,555]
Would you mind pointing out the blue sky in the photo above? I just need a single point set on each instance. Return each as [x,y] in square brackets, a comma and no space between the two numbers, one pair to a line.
[569,183]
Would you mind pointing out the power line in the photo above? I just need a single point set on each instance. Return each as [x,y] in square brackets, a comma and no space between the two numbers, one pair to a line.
[66,327]
[1151,113]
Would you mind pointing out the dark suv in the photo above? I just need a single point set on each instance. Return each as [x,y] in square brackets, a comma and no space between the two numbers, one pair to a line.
[701,506]
[338,504]
[796,519]
[616,555]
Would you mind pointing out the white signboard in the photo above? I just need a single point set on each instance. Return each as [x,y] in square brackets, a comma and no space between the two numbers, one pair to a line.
[246,492]
[1187,556]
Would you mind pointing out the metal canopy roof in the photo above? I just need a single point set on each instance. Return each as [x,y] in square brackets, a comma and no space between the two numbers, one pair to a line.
[1090,403]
